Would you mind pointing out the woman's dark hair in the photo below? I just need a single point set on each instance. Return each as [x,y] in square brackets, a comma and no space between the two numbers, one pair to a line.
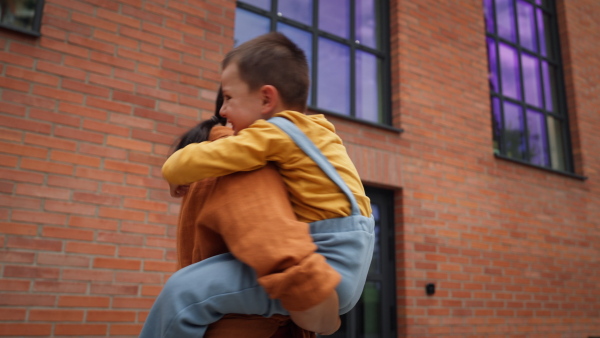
[202,130]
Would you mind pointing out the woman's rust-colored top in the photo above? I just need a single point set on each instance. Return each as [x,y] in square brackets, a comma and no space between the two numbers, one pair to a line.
[249,215]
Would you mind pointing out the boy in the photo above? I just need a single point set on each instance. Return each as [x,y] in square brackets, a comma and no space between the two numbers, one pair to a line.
[268,77]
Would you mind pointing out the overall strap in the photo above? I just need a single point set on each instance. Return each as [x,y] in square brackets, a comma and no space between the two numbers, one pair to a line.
[315,154]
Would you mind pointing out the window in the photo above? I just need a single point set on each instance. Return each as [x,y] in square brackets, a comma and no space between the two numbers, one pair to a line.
[346,46]
[528,106]
[374,316]
[21,15]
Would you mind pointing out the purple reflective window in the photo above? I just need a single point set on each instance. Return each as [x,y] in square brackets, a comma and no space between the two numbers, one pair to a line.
[264,4]
[249,25]
[496,122]
[505,19]
[489,16]
[366,23]
[544,33]
[334,17]
[525,128]
[368,101]
[509,70]
[299,10]
[492,65]
[302,39]
[538,149]
[333,81]
[513,135]
[526,19]
[531,80]
[548,76]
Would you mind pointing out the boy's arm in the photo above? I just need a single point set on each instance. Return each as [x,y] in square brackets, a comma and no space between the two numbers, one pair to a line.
[256,220]
[251,149]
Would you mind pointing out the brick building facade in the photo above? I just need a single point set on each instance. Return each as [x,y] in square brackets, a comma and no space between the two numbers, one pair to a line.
[90,108]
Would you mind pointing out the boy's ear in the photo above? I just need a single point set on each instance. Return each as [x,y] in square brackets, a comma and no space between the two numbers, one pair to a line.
[270,99]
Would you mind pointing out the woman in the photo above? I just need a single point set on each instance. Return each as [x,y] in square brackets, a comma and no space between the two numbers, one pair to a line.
[250,215]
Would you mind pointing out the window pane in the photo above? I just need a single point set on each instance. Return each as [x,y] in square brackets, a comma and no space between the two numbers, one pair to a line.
[489,16]
[19,14]
[334,17]
[249,25]
[371,309]
[545,35]
[549,84]
[496,123]
[526,20]
[366,23]
[514,141]
[492,65]
[299,10]
[264,4]
[531,79]
[375,266]
[509,67]
[301,38]
[538,151]
[368,93]
[555,135]
[506,20]
[333,81]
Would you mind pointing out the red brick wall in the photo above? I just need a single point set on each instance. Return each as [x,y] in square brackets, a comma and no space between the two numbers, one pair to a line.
[88,112]
[514,251]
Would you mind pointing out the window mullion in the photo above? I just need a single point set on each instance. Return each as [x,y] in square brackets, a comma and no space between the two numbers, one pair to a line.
[383,44]
[522,82]
[274,15]
[527,105]
[536,19]
[315,54]
[353,43]
[499,91]
[561,100]
[37,20]
[538,55]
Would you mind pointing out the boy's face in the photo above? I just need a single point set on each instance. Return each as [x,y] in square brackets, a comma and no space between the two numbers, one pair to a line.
[241,107]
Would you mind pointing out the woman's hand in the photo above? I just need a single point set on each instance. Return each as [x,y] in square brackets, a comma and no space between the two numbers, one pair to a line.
[178,190]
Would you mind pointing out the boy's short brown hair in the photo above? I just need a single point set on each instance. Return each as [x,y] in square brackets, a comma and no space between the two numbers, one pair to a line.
[273,59]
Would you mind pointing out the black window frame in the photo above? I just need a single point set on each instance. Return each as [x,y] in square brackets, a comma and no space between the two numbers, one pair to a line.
[387,276]
[385,118]
[549,8]
[36,24]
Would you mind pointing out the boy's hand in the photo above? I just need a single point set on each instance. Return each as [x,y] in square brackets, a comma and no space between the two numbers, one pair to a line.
[178,190]
[322,318]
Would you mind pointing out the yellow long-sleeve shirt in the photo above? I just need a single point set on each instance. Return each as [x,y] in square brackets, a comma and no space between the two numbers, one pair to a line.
[313,195]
